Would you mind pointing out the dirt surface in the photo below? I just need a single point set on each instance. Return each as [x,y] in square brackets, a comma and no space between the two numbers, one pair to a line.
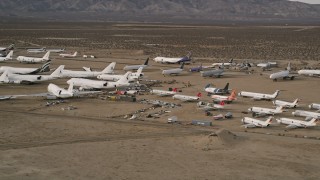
[98,141]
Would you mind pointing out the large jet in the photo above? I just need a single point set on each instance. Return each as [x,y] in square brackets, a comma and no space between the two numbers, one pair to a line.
[282,74]
[57,50]
[314,106]
[96,84]
[16,70]
[8,57]
[11,47]
[265,111]
[7,77]
[113,77]
[36,50]
[230,63]
[210,106]
[186,98]
[308,72]
[259,96]
[136,67]
[163,92]
[168,60]
[252,123]
[69,55]
[286,104]
[227,99]
[174,71]
[307,114]
[34,59]
[87,73]
[294,123]
[213,73]
[211,90]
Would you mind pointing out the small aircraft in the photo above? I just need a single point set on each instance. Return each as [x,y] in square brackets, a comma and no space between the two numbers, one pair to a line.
[37,50]
[174,71]
[196,69]
[308,72]
[11,47]
[294,123]
[113,77]
[96,84]
[307,114]
[314,106]
[259,96]
[230,63]
[34,59]
[69,55]
[186,98]
[168,60]
[7,77]
[8,57]
[14,70]
[265,111]
[211,90]
[282,74]
[252,123]
[286,104]
[163,93]
[214,72]
[87,73]
[226,99]
[210,106]
[136,67]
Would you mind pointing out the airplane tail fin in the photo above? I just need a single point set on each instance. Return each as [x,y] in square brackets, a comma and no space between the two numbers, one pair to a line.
[231,61]
[175,89]
[46,56]
[276,94]
[199,94]
[269,120]
[4,77]
[9,55]
[109,69]
[70,89]
[222,66]
[208,85]
[289,67]
[182,65]
[139,72]
[125,78]
[75,54]
[147,61]
[226,87]
[57,72]
[296,101]
[279,108]
[232,95]
[312,120]
[189,55]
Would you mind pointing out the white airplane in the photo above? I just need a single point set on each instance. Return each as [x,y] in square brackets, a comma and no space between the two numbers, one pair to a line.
[136,67]
[210,106]
[7,48]
[308,72]
[259,96]
[227,99]
[36,50]
[214,72]
[34,59]
[56,50]
[95,84]
[286,104]
[211,90]
[174,71]
[186,98]
[8,57]
[307,114]
[252,123]
[163,92]
[7,77]
[113,77]
[267,65]
[314,106]
[266,111]
[69,55]
[224,64]
[168,60]
[294,123]
[282,74]
[14,70]
[87,73]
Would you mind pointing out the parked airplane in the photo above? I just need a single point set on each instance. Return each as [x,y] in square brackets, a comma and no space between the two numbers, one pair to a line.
[314,106]
[113,77]
[226,99]
[282,74]
[211,90]
[57,50]
[307,114]
[196,69]
[174,71]
[14,70]
[163,92]
[286,104]
[136,67]
[8,57]
[213,73]
[69,55]
[294,123]
[7,77]
[259,96]
[267,65]
[265,111]
[11,47]
[168,60]
[96,84]
[186,98]
[210,106]
[308,72]
[34,59]
[230,63]
[87,73]
[36,50]
[252,123]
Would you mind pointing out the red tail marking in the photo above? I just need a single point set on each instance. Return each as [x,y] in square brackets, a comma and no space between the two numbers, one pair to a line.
[199,94]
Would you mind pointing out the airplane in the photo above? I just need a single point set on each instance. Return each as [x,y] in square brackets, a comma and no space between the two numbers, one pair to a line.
[87,73]
[174,71]
[96,84]
[259,96]
[252,123]
[210,106]
[265,111]
[267,65]
[11,47]
[36,50]
[168,60]
[57,50]
[34,59]
[7,77]
[186,98]
[196,69]
[224,64]
[226,99]
[211,90]
[113,77]
[214,72]
[163,92]
[294,123]
[136,67]
[286,104]
[69,55]
[15,70]
[314,106]
[282,74]
[307,114]
[308,72]
[8,57]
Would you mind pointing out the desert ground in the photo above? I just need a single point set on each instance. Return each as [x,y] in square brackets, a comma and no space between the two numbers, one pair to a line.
[97,140]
